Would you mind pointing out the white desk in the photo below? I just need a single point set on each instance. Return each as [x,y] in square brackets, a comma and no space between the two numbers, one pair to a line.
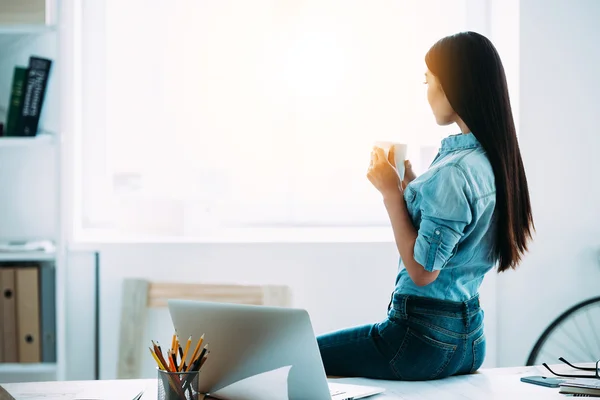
[498,383]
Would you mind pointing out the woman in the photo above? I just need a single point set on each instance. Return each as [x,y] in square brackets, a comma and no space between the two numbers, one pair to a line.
[468,213]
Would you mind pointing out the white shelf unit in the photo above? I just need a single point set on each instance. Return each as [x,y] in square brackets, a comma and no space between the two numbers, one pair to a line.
[22,368]
[39,140]
[20,39]
[38,372]
[25,29]
[33,256]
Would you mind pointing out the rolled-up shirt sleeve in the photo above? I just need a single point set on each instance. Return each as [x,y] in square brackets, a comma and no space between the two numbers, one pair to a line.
[445,213]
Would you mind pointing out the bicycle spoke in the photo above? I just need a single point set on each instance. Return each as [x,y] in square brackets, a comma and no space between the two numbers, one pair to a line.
[583,336]
[573,344]
[573,339]
[567,349]
[594,331]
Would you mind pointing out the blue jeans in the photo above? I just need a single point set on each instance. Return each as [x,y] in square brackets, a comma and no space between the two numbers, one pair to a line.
[421,339]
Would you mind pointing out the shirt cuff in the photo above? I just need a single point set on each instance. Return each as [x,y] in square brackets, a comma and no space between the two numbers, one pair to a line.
[434,246]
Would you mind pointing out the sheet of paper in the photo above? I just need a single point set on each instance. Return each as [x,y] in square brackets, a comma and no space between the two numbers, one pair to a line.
[80,390]
[465,387]
[590,383]
[118,390]
[270,385]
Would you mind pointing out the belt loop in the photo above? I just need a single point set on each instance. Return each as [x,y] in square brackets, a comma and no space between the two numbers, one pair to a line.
[474,304]
[398,308]
[467,313]
[403,307]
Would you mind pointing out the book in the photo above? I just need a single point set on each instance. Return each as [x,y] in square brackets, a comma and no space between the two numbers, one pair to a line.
[587,387]
[13,119]
[9,315]
[48,310]
[28,314]
[34,93]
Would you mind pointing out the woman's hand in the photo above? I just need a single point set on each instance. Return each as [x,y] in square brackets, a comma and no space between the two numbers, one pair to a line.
[383,175]
[409,174]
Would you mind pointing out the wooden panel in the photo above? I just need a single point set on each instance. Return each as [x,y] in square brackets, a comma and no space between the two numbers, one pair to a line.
[160,293]
[133,322]
[23,12]
[273,295]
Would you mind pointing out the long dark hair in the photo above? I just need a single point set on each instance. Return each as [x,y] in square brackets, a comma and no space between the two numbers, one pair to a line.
[471,74]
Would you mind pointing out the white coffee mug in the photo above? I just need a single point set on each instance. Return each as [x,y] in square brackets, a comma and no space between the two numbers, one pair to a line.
[400,150]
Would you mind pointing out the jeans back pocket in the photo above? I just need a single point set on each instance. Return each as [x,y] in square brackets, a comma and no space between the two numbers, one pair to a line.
[421,357]
[478,352]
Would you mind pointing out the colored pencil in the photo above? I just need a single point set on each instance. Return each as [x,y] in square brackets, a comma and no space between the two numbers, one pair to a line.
[156,345]
[174,357]
[203,352]
[180,355]
[195,353]
[162,360]
[185,353]
[160,365]
[203,361]
[170,361]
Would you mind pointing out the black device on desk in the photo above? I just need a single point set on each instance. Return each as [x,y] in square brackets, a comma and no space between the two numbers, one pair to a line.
[543,381]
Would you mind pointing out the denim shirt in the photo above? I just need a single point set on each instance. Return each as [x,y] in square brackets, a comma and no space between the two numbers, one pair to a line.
[452,207]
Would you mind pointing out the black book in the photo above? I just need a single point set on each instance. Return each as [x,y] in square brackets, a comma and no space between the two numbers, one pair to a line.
[35,90]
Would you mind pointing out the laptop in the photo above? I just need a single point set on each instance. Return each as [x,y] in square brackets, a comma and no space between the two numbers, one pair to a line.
[245,341]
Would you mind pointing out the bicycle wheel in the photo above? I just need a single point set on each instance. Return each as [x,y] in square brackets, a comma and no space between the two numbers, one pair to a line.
[574,335]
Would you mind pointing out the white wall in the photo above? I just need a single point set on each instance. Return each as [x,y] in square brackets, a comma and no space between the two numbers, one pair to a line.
[560,138]
[340,284]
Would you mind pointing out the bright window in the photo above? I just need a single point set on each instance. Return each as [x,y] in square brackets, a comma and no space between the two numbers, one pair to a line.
[207,115]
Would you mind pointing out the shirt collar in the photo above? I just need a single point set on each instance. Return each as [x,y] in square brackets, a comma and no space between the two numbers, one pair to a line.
[460,142]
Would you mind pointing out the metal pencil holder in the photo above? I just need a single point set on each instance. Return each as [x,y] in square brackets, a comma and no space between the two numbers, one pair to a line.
[178,385]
